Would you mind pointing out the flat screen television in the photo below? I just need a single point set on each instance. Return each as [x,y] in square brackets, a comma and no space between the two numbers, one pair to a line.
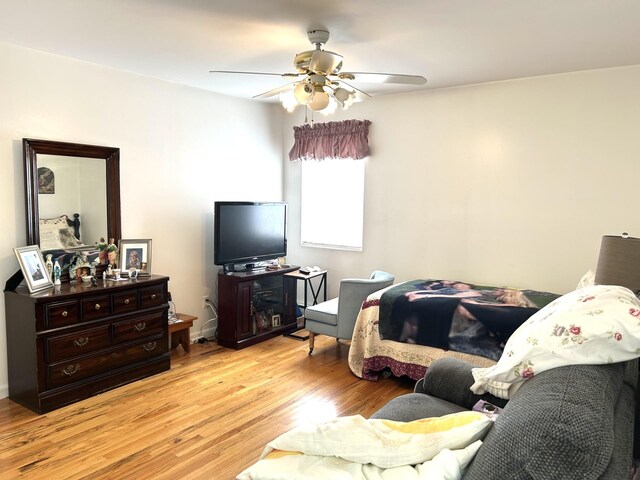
[249,232]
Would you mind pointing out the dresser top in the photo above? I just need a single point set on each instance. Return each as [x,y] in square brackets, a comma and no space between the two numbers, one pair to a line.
[75,289]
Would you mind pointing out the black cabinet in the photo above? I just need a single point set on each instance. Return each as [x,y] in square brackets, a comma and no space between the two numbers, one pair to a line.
[255,306]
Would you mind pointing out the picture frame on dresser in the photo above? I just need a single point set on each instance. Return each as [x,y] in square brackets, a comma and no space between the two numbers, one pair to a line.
[33,268]
[135,254]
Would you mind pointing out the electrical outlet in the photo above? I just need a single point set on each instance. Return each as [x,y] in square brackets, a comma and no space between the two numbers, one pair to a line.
[204,301]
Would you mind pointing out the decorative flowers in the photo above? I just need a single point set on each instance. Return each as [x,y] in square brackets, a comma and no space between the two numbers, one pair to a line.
[524,370]
[572,334]
[614,334]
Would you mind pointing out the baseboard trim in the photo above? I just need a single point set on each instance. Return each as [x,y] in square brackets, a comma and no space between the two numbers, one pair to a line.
[4,391]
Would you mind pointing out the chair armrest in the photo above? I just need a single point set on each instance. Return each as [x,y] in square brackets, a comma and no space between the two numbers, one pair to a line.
[450,379]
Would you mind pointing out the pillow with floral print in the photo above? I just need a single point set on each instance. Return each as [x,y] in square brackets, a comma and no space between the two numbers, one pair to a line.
[591,326]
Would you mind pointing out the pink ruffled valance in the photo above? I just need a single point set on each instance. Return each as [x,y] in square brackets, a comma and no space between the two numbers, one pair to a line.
[332,140]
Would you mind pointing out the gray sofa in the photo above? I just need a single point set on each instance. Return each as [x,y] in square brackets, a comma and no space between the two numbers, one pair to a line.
[573,422]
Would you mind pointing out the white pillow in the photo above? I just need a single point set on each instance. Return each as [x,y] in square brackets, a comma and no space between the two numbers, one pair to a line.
[60,221]
[591,326]
[587,280]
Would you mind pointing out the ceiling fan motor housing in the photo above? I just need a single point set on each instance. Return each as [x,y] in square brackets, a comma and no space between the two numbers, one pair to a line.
[318,36]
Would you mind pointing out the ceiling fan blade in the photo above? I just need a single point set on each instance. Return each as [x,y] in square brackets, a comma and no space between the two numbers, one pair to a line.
[256,73]
[383,78]
[275,91]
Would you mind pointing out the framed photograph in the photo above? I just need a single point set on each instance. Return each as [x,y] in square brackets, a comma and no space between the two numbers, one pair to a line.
[33,268]
[46,181]
[135,254]
[275,320]
[263,319]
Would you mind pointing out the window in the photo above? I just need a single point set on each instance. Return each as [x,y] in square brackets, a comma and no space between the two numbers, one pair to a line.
[332,204]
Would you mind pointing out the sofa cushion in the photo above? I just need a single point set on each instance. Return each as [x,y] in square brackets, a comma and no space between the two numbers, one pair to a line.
[450,379]
[559,425]
[619,465]
[414,406]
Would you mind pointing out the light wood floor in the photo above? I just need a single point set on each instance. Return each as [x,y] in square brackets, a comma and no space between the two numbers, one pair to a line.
[207,418]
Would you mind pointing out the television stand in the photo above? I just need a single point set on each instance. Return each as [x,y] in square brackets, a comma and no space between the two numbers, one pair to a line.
[254,306]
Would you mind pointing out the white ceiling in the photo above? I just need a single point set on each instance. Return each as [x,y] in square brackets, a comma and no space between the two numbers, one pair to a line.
[451,42]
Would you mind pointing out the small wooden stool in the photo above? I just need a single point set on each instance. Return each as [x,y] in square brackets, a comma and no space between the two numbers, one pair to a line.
[180,331]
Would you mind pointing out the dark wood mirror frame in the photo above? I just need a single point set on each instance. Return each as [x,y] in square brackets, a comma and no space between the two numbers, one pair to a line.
[31,148]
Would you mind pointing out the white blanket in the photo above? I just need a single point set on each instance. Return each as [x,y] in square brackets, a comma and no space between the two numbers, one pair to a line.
[352,447]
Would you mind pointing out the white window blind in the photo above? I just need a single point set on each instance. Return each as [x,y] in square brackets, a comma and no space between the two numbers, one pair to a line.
[332,204]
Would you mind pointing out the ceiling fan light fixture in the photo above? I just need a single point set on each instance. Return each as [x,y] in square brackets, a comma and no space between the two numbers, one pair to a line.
[319,101]
[303,93]
[344,97]
[331,107]
[289,100]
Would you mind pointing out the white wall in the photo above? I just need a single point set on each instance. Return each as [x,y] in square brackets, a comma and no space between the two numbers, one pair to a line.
[509,183]
[181,149]
[92,192]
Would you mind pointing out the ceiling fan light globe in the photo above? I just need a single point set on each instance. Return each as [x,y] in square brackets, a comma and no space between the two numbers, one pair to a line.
[288,100]
[350,99]
[331,107]
[341,94]
[319,101]
[303,93]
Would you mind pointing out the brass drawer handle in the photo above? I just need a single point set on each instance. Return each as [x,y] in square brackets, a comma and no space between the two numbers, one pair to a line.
[97,306]
[126,301]
[81,342]
[65,313]
[153,296]
[138,327]
[149,346]
[71,369]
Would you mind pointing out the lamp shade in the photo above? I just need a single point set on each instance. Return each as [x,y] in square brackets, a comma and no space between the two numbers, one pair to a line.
[619,262]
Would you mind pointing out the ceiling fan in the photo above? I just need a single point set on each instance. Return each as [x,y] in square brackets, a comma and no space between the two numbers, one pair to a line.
[319,84]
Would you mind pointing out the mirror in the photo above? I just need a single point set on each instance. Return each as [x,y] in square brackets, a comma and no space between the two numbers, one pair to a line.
[73,178]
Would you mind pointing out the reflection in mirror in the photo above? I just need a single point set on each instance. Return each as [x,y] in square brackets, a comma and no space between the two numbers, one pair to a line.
[69,185]
[68,179]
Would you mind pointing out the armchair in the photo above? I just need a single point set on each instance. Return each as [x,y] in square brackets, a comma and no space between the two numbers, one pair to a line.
[337,317]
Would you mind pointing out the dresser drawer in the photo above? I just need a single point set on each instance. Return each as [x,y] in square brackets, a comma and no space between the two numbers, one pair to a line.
[125,302]
[96,307]
[60,314]
[139,327]
[64,373]
[152,296]
[78,343]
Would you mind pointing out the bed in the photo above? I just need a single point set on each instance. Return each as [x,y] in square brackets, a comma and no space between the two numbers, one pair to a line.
[402,329]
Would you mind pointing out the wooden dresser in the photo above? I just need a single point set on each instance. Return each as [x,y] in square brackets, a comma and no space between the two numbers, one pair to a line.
[77,340]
